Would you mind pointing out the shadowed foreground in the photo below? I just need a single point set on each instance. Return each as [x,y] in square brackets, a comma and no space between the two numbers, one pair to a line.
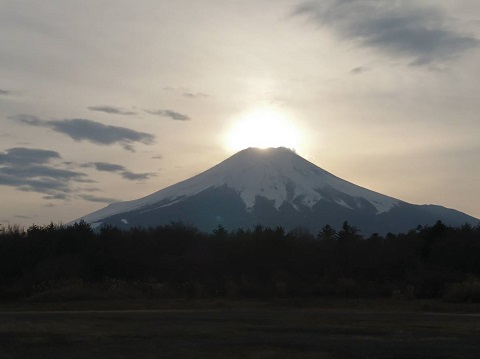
[238,333]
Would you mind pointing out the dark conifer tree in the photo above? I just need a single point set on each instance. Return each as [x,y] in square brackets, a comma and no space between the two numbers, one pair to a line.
[327,233]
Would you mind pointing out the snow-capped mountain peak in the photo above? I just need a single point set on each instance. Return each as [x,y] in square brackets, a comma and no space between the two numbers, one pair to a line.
[276,174]
[272,187]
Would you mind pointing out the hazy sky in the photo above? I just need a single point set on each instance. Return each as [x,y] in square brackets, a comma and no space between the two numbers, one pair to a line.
[107,100]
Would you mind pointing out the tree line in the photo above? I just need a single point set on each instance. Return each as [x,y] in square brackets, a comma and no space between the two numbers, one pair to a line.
[177,260]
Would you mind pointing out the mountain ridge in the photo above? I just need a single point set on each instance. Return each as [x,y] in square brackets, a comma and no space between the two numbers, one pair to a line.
[263,185]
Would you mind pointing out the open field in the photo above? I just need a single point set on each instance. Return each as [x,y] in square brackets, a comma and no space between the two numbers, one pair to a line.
[237,332]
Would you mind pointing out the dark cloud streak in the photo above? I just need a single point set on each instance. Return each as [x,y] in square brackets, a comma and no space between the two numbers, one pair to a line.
[29,120]
[422,34]
[91,198]
[107,167]
[125,173]
[98,133]
[194,95]
[131,176]
[359,70]
[86,130]
[112,110]
[26,156]
[170,114]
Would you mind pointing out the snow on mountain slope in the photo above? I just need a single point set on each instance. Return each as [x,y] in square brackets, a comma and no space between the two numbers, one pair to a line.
[277,174]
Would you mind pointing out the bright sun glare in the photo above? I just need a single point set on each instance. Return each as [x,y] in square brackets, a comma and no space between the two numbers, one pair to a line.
[263,128]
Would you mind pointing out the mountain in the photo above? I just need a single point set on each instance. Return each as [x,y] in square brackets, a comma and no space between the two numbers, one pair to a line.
[272,187]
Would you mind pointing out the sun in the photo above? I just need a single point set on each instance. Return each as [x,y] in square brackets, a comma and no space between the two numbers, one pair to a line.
[262,128]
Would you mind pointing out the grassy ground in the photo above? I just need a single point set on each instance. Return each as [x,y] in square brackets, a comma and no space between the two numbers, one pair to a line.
[282,329]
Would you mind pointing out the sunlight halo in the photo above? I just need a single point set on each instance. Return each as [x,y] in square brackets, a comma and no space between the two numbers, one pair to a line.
[262,128]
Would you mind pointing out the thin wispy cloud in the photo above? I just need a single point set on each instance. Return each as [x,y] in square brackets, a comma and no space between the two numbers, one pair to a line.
[132,176]
[360,70]
[169,114]
[194,95]
[186,92]
[121,170]
[86,130]
[30,120]
[422,35]
[4,92]
[57,196]
[112,110]
[99,199]
[24,217]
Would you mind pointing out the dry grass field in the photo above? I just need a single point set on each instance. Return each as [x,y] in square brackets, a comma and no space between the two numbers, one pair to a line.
[235,331]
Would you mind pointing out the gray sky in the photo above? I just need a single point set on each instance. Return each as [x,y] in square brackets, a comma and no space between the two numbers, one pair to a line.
[111,100]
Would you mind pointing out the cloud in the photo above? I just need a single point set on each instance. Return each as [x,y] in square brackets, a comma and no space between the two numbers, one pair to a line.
[128,147]
[30,120]
[38,170]
[107,167]
[91,131]
[423,35]
[186,92]
[43,171]
[194,95]
[91,198]
[131,176]
[4,92]
[22,156]
[98,133]
[111,110]
[360,70]
[24,217]
[61,196]
[168,113]
[125,173]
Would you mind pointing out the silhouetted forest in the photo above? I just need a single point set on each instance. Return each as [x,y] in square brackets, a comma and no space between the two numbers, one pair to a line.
[75,262]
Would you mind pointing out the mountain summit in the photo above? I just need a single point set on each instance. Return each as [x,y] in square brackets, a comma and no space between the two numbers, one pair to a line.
[272,187]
